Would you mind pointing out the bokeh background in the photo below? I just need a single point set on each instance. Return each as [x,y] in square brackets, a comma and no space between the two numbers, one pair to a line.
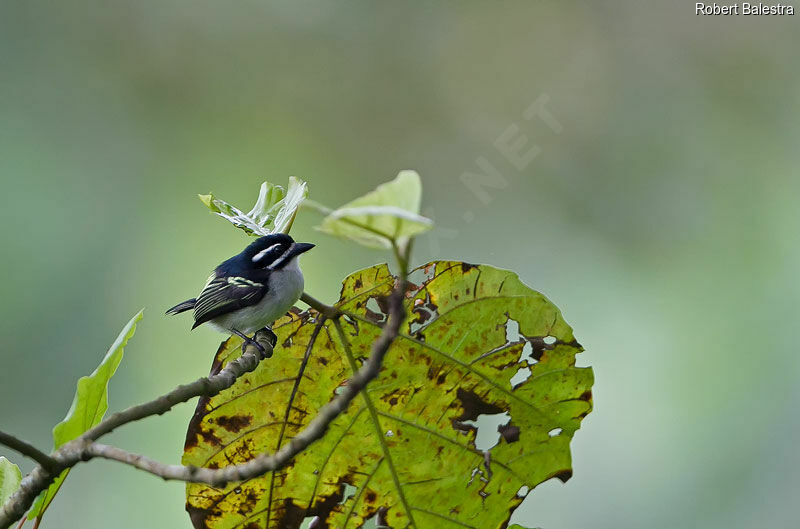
[660,214]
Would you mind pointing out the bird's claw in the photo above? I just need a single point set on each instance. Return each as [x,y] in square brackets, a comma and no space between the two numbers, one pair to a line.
[271,339]
[262,351]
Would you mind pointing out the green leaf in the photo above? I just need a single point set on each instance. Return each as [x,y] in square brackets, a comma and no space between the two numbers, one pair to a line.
[10,478]
[274,211]
[389,213]
[88,408]
[409,443]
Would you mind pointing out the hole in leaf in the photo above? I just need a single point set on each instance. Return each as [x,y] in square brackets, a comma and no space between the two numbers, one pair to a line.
[372,304]
[311,522]
[554,432]
[520,376]
[512,331]
[487,435]
[477,472]
[377,520]
[237,490]
[523,491]
[425,312]
[549,340]
[374,310]
[420,276]
[389,433]
[527,354]
[349,492]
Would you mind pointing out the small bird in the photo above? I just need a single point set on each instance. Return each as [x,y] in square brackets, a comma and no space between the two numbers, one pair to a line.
[250,290]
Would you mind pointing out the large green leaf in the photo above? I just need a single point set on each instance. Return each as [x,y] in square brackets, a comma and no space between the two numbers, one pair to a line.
[408,444]
[274,210]
[88,408]
[10,478]
[390,212]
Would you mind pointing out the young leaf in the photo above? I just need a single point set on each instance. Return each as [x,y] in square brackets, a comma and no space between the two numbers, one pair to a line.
[476,342]
[88,408]
[389,213]
[274,210]
[10,478]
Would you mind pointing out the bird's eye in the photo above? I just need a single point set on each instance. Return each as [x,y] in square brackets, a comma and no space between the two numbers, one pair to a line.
[268,255]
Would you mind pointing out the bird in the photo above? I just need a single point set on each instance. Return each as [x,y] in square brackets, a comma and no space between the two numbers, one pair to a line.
[251,290]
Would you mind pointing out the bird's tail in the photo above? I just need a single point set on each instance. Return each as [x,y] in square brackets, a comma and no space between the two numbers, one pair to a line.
[183,307]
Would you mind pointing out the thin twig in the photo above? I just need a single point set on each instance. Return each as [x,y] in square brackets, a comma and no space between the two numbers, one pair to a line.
[328,311]
[27,449]
[202,387]
[74,451]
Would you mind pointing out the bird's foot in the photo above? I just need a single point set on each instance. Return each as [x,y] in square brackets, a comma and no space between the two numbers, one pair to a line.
[254,342]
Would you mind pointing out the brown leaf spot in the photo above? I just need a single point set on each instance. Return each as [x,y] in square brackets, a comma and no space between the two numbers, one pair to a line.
[563,475]
[198,517]
[371,497]
[383,303]
[207,436]
[234,423]
[586,395]
[466,267]
[473,406]
[358,284]
[249,502]
[374,316]
[509,432]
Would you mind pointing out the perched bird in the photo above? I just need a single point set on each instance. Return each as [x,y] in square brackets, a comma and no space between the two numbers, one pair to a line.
[250,290]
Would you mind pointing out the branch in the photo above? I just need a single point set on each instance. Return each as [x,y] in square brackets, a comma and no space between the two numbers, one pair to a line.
[268,462]
[85,448]
[75,451]
[27,449]
[202,387]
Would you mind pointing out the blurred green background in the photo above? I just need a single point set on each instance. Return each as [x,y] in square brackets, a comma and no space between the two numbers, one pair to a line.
[662,218]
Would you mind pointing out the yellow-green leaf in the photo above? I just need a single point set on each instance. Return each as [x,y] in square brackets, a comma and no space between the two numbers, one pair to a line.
[389,213]
[88,408]
[273,212]
[10,478]
[477,344]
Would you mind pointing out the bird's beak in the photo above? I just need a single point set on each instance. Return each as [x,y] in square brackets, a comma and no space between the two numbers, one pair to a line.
[299,247]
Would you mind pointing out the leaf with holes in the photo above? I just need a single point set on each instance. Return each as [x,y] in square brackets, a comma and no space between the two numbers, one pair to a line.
[477,342]
[273,212]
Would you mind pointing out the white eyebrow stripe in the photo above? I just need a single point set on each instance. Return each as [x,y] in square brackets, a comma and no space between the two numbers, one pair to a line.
[262,253]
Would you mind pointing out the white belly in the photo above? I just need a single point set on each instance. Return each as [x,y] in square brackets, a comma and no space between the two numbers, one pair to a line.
[285,288]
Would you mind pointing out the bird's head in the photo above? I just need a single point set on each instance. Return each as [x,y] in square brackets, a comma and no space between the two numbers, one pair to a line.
[273,251]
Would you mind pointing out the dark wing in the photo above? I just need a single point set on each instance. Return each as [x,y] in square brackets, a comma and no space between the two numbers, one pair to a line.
[222,295]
